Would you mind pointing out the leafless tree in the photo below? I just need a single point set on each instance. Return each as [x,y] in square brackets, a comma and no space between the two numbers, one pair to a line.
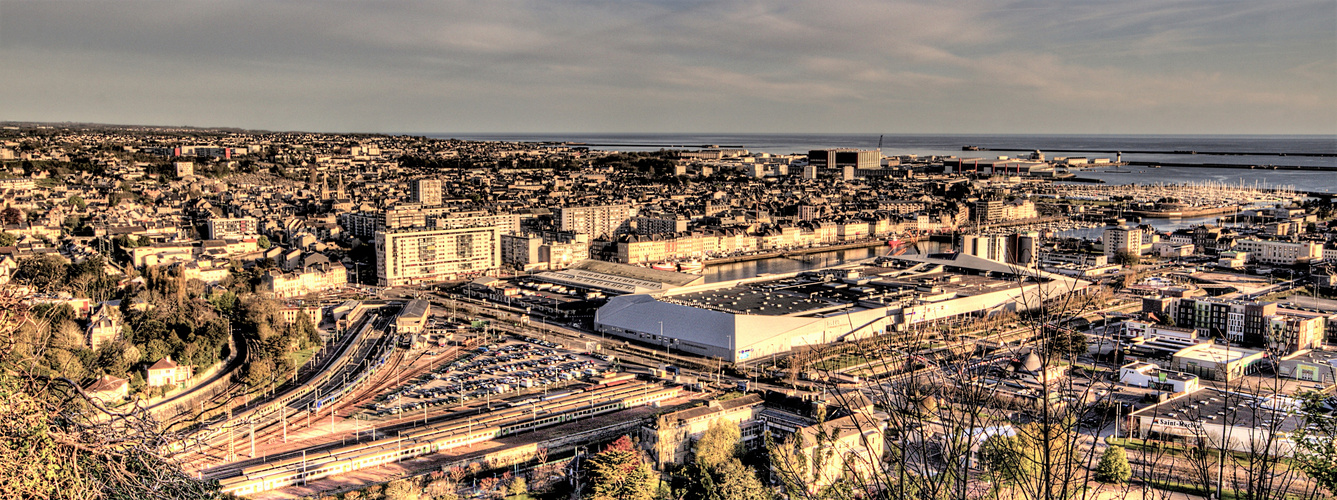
[943,387]
[73,445]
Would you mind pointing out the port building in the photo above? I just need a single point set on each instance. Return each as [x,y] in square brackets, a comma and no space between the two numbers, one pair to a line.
[845,157]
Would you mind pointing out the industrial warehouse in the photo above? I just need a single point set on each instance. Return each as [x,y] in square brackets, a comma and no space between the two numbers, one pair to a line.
[748,319]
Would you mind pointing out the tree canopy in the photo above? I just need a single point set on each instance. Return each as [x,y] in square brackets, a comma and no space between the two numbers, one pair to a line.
[617,473]
[717,471]
[1113,466]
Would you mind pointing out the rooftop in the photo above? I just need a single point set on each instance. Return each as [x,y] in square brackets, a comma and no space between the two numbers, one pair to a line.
[1213,353]
[636,272]
[1210,405]
[746,300]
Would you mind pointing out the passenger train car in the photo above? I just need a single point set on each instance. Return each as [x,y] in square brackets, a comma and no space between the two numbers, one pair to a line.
[612,394]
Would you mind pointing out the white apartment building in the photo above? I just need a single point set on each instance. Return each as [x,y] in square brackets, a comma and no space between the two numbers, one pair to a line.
[426,191]
[596,221]
[1122,239]
[427,255]
[1024,209]
[1280,253]
[533,252]
[232,228]
[297,284]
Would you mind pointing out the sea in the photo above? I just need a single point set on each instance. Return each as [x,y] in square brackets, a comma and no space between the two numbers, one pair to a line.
[1293,146]
[1299,150]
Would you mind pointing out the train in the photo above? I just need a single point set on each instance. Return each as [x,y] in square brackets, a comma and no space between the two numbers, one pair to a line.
[380,360]
[308,388]
[616,394]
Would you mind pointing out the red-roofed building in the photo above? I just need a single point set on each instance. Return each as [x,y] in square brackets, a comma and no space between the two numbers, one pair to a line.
[109,389]
[167,372]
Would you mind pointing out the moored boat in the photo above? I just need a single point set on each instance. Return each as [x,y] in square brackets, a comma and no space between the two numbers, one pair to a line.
[664,266]
[691,266]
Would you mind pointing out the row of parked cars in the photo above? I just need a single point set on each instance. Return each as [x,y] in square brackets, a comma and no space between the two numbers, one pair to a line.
[489,370]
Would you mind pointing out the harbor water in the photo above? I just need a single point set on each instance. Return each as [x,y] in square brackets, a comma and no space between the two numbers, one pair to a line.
[1268,147]
[781,265]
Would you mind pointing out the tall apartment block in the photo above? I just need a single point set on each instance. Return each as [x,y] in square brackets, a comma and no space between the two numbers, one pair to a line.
[1122,239]
[598,222]
[426,191]
[410,256]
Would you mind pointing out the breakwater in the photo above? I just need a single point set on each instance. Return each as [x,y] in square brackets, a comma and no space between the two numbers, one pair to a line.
[1159,152]
[1312,168]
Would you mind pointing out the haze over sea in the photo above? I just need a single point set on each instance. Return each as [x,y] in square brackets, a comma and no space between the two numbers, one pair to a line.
[1051,145]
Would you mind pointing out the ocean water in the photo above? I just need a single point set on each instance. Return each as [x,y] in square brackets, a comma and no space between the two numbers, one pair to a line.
[1051,145]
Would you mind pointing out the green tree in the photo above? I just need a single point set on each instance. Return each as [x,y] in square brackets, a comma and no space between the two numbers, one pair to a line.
[1316,440]
[517,486]
[259,372]
[126,242]
[1032,463]
[155,350]
[617,473]
[55,443]
[1009,458]
[1125,258]
[729,479]
[1113,466]
[716,472]
[78,202]
[400,490]
[305,332]
[7,239]
[11,216]
[46,273]
[263,242]
[224,302]
[718,444]
[1064,344]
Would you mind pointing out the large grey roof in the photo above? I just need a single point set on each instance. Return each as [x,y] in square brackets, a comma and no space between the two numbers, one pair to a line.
[638,272]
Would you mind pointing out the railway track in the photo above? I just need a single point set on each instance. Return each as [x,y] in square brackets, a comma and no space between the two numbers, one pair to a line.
[330,383]
[1171,468]
[268,431]
[330,459]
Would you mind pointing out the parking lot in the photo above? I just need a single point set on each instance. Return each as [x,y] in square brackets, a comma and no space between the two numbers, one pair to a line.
[493,372]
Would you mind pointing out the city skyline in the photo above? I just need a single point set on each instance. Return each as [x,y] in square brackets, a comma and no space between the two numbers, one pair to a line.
[659,67]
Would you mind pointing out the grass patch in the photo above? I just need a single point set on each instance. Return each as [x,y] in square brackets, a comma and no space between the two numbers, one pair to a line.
[300,358]
[730,395]
[1226,493]
[1175,449]
[839,362]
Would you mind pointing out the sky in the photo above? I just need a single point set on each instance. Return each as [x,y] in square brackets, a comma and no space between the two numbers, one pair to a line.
[765,66]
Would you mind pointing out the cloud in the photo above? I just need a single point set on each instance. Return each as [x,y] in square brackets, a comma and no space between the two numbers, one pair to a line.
[741,66]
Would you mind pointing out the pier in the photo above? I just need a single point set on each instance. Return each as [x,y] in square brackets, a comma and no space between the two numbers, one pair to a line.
[1159,152]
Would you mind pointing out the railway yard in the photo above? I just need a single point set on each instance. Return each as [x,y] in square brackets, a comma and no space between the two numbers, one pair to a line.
[490,391]
[373,406]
